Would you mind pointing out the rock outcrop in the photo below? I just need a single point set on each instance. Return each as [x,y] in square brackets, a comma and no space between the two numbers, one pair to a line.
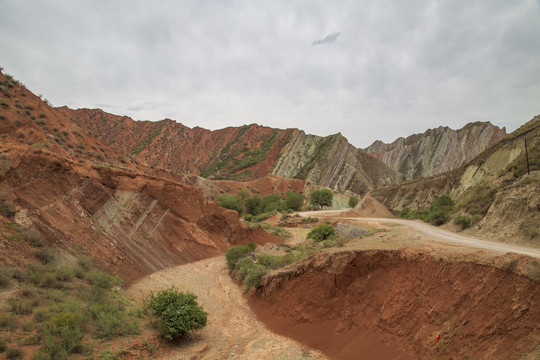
[436,150]
[494,185]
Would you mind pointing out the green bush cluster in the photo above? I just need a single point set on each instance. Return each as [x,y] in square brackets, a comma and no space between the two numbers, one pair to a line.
[353,200]
[178,311]
[322,232]
[259,208]
[438,213]
[235,253]
[463,221]
[321,198]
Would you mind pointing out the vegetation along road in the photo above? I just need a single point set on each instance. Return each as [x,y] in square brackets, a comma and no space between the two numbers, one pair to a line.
[436,233]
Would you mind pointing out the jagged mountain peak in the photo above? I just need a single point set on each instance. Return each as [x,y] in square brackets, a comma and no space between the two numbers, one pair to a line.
[436,150]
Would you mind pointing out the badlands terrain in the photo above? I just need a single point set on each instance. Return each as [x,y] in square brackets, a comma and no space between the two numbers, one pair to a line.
[84,194]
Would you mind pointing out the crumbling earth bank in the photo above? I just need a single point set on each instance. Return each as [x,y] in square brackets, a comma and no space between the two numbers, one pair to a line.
[394,304]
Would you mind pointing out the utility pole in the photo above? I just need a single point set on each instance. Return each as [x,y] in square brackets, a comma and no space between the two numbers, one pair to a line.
[527,156]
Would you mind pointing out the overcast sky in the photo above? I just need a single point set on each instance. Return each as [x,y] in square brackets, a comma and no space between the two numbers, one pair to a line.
[370,69]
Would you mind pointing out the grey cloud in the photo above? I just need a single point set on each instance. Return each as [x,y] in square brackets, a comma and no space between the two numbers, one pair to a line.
[328,39]
[402,66]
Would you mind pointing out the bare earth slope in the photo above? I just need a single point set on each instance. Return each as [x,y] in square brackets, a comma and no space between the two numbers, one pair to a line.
[436,150]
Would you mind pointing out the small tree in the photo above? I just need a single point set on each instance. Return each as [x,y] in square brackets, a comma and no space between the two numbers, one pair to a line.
[321,232]
[178,311]
[231,202]
[294,201]
[321,198]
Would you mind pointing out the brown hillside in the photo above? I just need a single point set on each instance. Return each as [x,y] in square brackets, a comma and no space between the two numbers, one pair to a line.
[244,153]
[26,119]
[87,197]
[130,223]
[239,153]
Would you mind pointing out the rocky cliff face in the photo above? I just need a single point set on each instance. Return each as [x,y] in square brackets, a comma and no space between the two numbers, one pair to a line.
[333,162]
[239,153]
[496,181]
[436,150]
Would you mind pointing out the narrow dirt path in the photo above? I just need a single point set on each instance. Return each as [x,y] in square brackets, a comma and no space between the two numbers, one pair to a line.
[435,233]
[232,332]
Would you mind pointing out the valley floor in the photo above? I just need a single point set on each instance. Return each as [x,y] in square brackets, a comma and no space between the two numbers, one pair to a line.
[234,332]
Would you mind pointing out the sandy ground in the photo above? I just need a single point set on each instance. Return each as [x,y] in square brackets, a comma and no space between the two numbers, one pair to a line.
[232,332]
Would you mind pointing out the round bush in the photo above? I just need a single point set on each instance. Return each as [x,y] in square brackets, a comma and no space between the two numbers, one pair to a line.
[178,311]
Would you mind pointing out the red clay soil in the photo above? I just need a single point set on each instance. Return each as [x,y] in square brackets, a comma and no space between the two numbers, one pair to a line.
[129,223]
[394,304]
[187,150]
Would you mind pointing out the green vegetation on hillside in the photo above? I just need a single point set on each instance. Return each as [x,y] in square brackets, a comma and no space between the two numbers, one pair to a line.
[157,130]
[63,308]
[438,213]
[322,232]
[259,208]
[234,158]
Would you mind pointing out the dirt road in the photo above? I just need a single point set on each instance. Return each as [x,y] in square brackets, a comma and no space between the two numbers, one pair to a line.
[436,233]
[232,332]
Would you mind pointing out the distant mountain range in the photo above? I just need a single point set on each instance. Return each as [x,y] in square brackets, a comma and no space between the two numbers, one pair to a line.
[252,151]
[436,150]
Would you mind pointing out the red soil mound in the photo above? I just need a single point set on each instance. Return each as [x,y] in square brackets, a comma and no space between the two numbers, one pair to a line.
[394,304]
[128,222]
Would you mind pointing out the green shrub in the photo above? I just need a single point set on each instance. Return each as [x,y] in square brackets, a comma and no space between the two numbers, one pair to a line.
[231,202]
[463,221]
[294,201]
[40,315]
[7,209]
[64,273]
[33,237]
[321,232]
[178,311]
[51,349]
[21,306]
[353,201]
[84,262]
[254,275]
[263,216]
[8,322]
[14,353]
[5,277]
[438,217]
[321,198]
[102,279]
[248,217]
[235,253]
[67,328]
[45,255]
[26,326]
[3,345]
